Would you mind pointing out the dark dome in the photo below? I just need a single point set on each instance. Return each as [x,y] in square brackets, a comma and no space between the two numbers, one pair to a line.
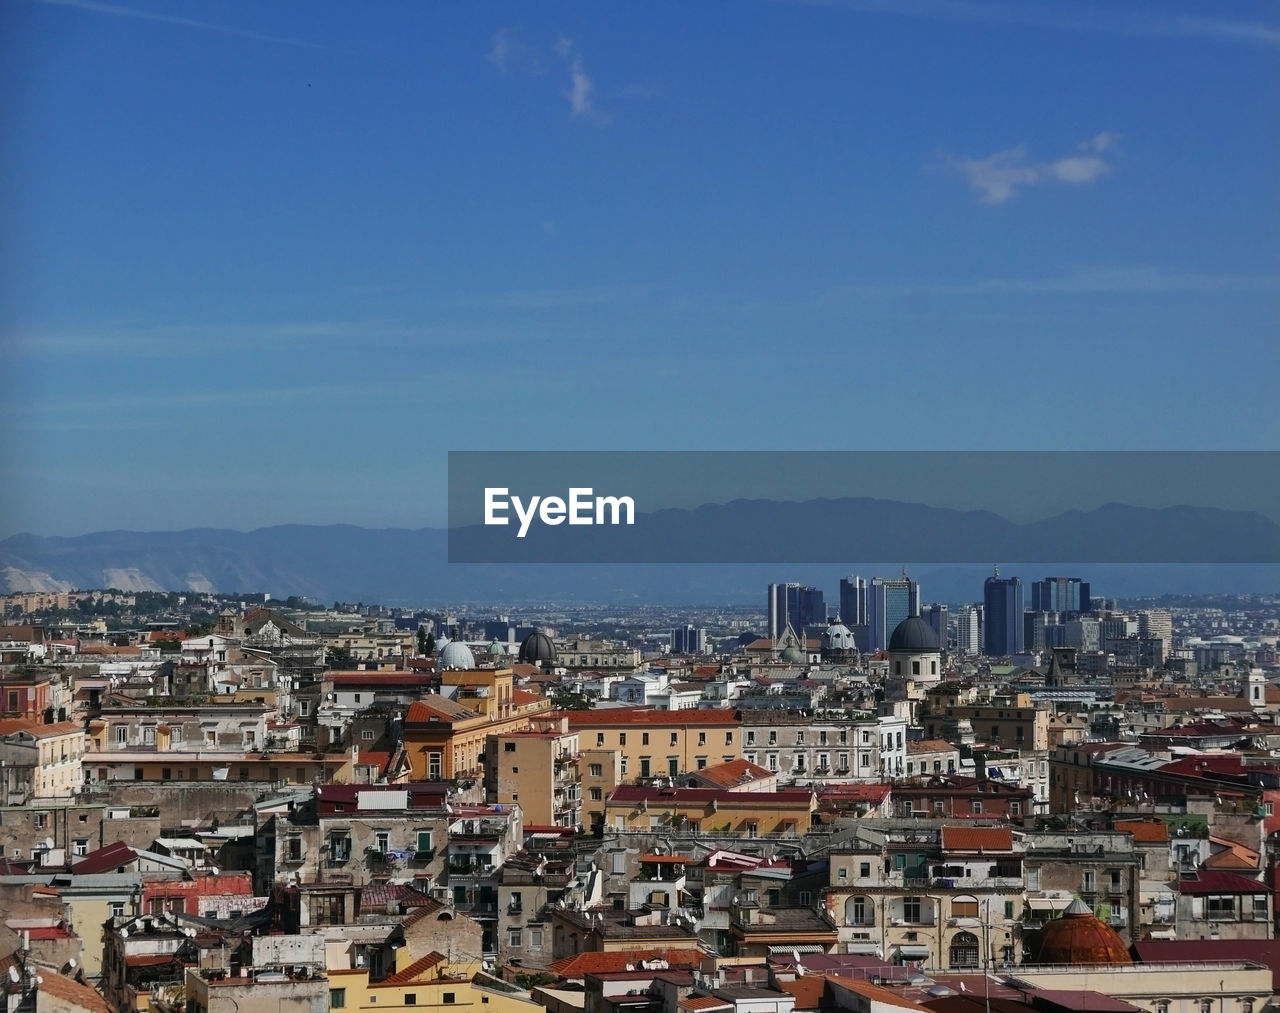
[1078,938]
[914,636]
[536,649]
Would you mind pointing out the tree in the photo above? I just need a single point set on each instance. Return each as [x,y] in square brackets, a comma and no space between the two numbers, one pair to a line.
[338,657]
[422,640]
[429,647]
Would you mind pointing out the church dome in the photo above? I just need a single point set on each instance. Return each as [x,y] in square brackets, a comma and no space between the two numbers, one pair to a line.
[838,637]
[496,649]
[913,636]
[537,648]
[793,656]
[456,654]
[1077,937]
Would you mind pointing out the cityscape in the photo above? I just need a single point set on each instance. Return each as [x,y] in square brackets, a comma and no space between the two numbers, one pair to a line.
[767,506]
[1045,798]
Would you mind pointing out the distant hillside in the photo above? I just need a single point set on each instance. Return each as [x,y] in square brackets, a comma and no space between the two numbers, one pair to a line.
[817,541]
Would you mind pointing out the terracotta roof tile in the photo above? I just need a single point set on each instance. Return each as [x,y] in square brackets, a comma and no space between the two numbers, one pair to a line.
[977,838]
[602,962]
[1144,831]
[416,970]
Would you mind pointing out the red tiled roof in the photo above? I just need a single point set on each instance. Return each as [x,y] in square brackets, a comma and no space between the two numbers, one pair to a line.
[522,697]
[1144,831]
[415,970]
[698,1002]
[1260,951]
[104,859]
[732,773]
[72,994]
[648,716]
[602,962]
[977,839]
[1221,882]
[438,709]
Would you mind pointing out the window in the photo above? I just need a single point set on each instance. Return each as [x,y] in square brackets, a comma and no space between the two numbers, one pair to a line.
[644,738]
[508,747]
[38,820]
[513,939]
[644,766]
[597,794]
[122,735]
[842,874]
[728,738]
[535,938]
[806,898]
[675,738]
[964,907]
[449,998]
[1033,879]
[339,847]
[596,770]
[911,910]
[622,738]
[751,738]
[433,766]
[864,870]
[411,998]
[599,738]
[799,738]
[1221,908]
[337,998]
[1116,878]
[1008,909]
[1086,881]
[1259,906]
[117,909]
[976,804]
[424,840]
[773,738]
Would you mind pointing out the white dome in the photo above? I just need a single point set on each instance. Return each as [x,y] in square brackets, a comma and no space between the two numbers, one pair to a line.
[456,654]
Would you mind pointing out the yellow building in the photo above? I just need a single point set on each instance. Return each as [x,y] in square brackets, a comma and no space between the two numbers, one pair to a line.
[536,768]
[655,743]
[445,738]
[432,981]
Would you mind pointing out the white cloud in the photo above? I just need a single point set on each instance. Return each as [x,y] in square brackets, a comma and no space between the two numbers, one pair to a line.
[580,90]
[1000,176]
[511,55]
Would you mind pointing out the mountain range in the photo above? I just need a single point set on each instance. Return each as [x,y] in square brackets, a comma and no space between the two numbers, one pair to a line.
[693,555]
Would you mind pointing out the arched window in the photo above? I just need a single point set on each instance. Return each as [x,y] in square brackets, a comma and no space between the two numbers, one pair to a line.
[964,906]
[859,911]
[964,950]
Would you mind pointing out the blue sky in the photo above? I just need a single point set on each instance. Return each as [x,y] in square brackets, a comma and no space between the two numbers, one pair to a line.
[267,263]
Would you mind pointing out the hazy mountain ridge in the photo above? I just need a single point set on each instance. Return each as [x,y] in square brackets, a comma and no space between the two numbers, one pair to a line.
[409,566]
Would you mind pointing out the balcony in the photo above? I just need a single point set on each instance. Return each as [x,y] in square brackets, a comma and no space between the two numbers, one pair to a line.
[424,856]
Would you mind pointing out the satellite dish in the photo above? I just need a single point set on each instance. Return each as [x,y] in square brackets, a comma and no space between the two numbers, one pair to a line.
[13,975]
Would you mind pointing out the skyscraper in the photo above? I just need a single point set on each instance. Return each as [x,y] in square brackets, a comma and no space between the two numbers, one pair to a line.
[1060,594]
[1002,616]
[936,617]
[688,639]
[797,605]
[889,601]
[969,631]
[853,601]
